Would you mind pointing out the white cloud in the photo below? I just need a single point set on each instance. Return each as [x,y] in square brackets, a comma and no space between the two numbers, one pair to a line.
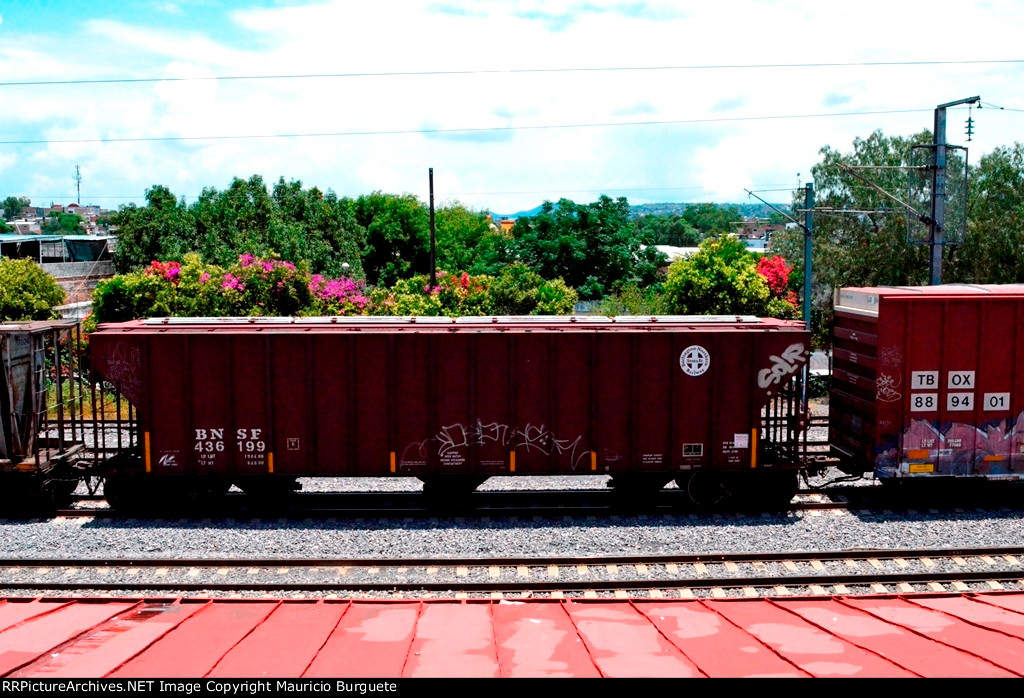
[495,39]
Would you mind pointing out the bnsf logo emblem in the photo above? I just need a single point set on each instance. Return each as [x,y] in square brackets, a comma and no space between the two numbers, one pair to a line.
[694,360]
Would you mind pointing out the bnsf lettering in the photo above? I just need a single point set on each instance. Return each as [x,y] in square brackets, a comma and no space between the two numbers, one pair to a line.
[249,441]
[209,441]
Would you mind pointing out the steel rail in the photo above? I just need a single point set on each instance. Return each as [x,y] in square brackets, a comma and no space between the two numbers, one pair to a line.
[620,560]
[588,575]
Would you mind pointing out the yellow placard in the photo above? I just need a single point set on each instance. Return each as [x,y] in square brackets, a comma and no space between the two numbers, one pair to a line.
[922,467]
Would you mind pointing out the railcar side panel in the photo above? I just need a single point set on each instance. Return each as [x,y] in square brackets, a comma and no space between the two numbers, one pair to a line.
[374,389]
[208,374]
[613,393]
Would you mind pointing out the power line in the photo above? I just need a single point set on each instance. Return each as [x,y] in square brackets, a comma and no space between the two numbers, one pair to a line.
[480,129]
[548,191]
[508,71]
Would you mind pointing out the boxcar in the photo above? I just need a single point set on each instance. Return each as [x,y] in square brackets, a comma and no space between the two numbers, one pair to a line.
[929,381]
[711,402]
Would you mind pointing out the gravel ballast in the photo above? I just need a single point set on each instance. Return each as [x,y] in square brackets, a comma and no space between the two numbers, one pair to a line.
[503,536]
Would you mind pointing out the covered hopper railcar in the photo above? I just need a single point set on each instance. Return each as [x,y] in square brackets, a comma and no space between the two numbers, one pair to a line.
[710,402]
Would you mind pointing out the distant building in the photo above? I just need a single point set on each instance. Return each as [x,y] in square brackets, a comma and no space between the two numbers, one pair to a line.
[758,229]
[78,262]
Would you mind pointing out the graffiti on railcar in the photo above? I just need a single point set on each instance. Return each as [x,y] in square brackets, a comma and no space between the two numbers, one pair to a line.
[451,441]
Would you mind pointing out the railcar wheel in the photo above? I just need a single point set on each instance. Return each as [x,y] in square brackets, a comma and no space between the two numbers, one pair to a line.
[705,487]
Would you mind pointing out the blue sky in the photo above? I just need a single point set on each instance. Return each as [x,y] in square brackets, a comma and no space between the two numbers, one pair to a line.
[649,110]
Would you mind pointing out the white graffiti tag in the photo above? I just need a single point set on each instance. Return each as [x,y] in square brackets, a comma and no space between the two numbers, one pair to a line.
[783,366]
[455,437]
[887,388]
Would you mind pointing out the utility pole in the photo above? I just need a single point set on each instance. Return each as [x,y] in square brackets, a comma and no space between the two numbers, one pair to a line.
[937,237]
[78,184]
[433,255]
[808,229]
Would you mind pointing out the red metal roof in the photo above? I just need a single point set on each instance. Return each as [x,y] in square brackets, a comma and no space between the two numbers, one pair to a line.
[968,635]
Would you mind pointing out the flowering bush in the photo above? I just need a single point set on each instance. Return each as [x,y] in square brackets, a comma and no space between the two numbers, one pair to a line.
[407,297]
[462,294]
[251,286]
[267,286]
[167,270]
[271,286]
[724,278]
[338,296]
[776,272]
[783,302]
[518,290]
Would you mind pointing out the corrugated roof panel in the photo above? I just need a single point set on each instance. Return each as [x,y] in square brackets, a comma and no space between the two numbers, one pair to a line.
[970,635]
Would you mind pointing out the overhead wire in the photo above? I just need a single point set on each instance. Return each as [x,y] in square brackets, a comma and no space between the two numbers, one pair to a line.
[473,129]
[505,71]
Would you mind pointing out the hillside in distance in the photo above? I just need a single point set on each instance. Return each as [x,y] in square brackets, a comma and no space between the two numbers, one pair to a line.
[747,210]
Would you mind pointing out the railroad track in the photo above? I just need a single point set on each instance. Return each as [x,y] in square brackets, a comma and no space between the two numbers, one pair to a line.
[663,576]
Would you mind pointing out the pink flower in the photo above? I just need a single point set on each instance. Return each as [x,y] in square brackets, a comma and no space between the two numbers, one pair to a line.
[204,278]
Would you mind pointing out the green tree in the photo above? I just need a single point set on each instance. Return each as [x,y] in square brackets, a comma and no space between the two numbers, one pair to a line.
[12,206]
[461,235]
[293,223]
[866,248]
[592,247]
[397,236]
[668,230]
[722,278]
[319,228]
[163,229]
[712,219]
[240,219]
[63,224]
[518,290]
[993,250]
[27,292]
